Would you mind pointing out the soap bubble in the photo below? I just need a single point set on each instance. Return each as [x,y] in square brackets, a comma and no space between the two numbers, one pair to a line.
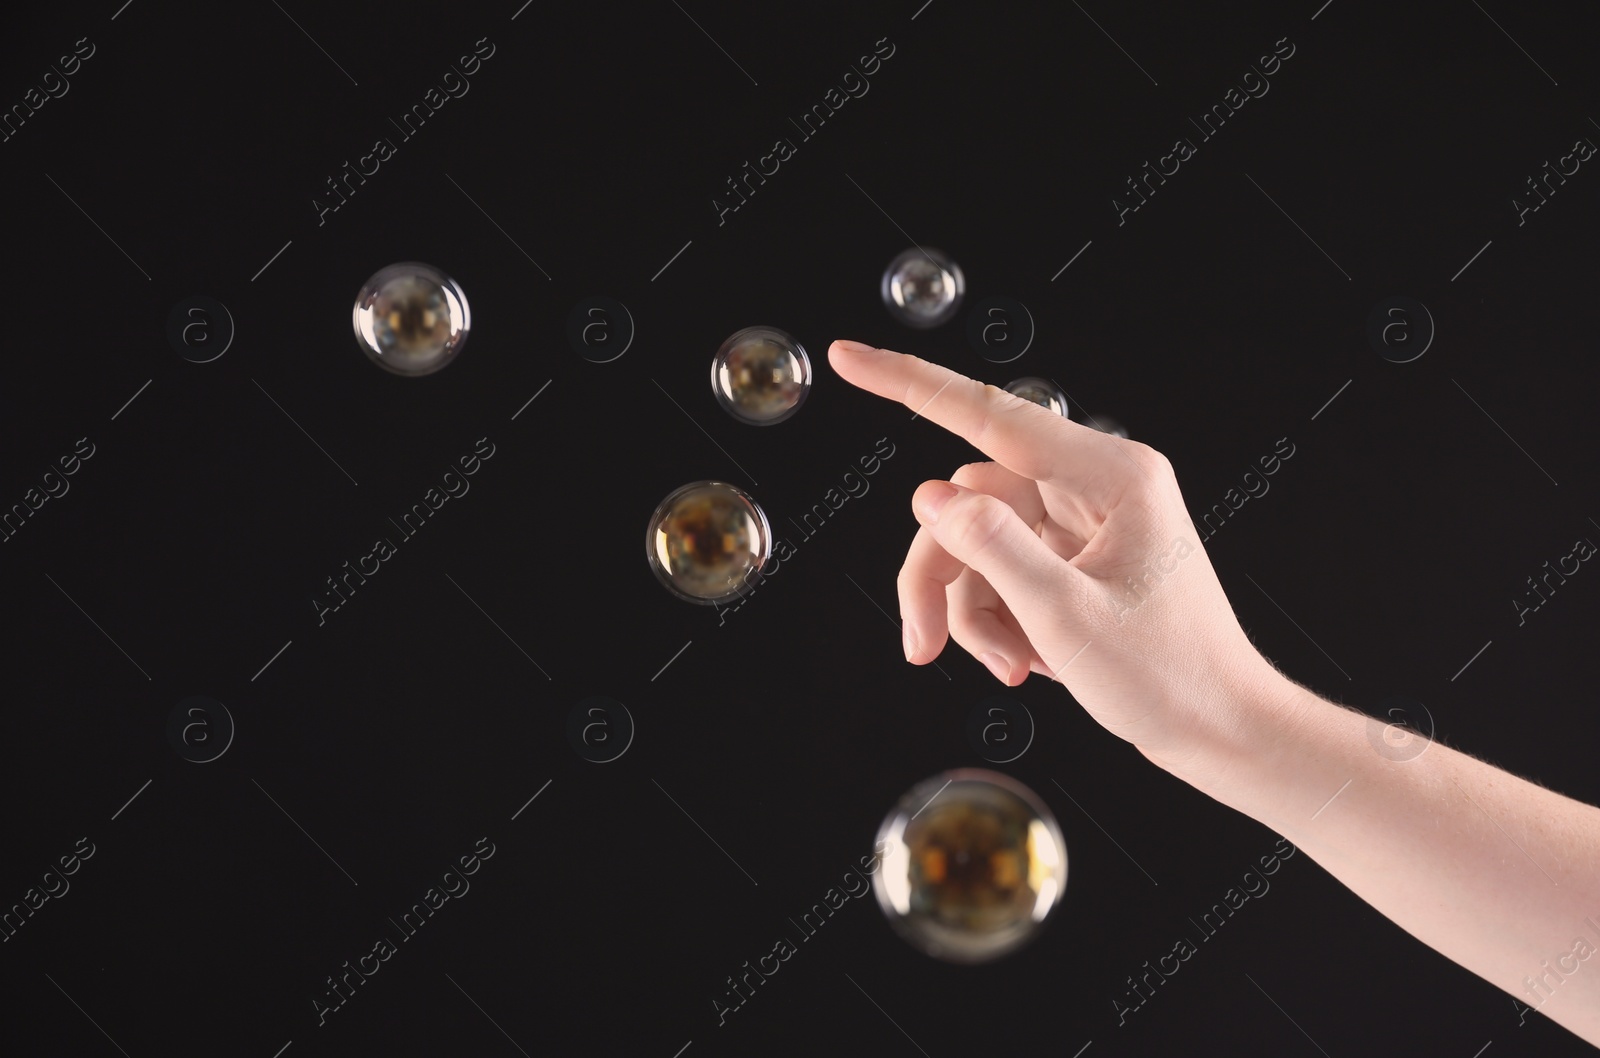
[922,287]
[1106,424]
[1042,392]
[707,542]
[761,375]
[411,318]
[973,862]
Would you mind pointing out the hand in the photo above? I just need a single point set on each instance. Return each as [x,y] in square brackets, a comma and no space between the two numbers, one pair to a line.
[1072,555]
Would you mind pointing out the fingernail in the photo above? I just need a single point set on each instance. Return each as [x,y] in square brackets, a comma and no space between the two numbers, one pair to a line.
[909,634]
[997,665]
[854,347]
[934,495]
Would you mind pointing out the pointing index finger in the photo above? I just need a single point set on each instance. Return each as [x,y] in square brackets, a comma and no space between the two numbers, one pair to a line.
[1016,433]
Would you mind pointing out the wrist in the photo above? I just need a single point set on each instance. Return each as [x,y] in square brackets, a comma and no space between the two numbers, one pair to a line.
[1259,723]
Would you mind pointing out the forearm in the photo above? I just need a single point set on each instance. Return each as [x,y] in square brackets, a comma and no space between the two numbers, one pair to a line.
[1500,875]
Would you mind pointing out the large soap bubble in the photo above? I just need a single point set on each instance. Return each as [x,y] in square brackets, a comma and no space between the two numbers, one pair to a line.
[973,862]
[707,542]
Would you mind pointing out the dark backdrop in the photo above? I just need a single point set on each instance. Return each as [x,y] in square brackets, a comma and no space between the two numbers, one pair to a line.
[190,156]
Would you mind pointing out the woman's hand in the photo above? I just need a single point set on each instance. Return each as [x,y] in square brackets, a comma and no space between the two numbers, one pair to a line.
[1071,555]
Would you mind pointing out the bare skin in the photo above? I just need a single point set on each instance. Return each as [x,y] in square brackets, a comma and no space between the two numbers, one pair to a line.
[1025,562]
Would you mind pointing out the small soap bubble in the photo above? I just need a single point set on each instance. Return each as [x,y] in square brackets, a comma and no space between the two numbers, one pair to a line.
[411,318]
[973,862]
[707,542]
[1042,392]
[761,375]
[1106,424]
[922,287]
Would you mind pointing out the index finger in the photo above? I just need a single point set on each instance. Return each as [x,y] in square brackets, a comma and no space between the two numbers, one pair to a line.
[1016,433]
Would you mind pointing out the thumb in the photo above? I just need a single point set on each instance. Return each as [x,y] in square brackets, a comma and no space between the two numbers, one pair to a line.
[988,536]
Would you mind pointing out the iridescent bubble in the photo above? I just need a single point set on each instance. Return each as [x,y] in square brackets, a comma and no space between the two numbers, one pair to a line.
[1042,392]
[761,375]
[707,542]
[973,862]
[1106,424]
[411,318]
[922,287]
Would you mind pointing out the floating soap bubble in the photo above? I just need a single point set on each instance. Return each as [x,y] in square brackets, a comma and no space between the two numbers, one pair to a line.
[922,287]
[973,862]
[411,318]
[1106,424]
[707,540]
[1042,392]
[761,375]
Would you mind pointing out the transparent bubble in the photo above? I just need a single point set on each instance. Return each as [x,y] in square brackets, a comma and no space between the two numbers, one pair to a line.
[922,287]
[761,375]
[1042,392]
[973,862]
[1106,424]
[411,318]
[707,541]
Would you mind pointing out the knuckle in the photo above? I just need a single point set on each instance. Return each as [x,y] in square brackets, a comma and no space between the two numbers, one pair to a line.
[905,579]
[994,402]
[980,436]
[977,522]
[1149,459]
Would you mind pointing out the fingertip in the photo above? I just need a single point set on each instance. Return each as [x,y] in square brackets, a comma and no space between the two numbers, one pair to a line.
[923,602]
[847,357]
[925,639]
[849,346]
[930,497]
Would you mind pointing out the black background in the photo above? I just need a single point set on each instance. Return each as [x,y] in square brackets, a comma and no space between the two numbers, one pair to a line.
[408,726]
